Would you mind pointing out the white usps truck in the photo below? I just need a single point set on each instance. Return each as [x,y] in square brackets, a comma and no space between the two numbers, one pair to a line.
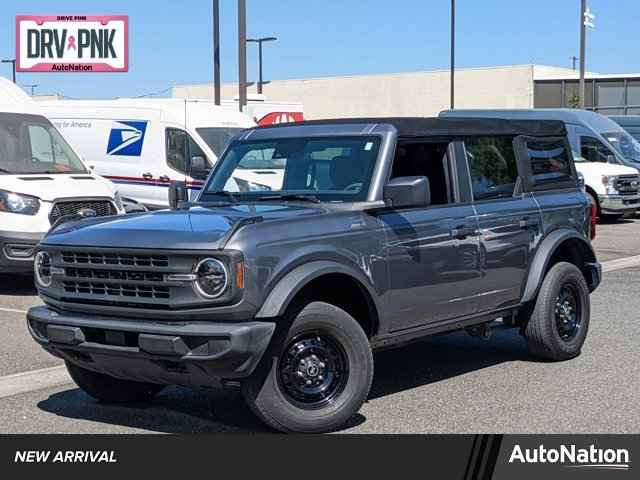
[42,179]
[145,145]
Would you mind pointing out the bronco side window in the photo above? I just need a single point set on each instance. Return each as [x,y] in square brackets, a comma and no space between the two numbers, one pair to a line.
[492,167]
[549,161]
[417,159]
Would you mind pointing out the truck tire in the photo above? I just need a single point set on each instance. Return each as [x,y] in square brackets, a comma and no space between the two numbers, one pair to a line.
[318,378]
[107,389]
[558,325]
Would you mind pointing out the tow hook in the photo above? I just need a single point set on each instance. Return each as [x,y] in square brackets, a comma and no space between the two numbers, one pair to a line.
[481,331]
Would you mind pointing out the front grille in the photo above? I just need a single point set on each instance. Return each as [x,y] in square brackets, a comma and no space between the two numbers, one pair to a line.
[126,260]
[628,184]
[102,208]
[116,290]
[114,274]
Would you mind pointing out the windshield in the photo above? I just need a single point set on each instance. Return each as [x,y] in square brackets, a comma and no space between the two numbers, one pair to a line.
[625,145]
[325,169]
[30,144]
[218,138]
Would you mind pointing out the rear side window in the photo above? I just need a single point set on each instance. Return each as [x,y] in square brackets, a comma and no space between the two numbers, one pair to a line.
[492,167]
[549,160]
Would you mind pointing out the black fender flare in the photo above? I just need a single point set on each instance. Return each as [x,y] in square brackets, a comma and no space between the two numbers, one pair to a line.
[543,255]
[290,284]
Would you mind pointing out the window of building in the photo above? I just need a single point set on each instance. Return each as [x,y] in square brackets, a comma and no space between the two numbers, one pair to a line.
[492,166]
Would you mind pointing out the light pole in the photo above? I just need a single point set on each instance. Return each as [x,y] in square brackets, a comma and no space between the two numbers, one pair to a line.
[31,86]
[242,53]
[260,41]
[586,20]
[216,52]
[453,54]
[12,61]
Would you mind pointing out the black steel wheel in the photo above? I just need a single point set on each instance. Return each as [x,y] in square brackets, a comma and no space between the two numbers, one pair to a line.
[317,377]
[313,369]
[558,325]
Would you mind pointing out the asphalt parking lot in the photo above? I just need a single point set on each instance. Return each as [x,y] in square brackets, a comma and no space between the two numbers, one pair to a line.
[446,384]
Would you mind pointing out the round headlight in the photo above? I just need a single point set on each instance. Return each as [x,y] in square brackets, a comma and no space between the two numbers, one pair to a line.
[42,269]
[212,278]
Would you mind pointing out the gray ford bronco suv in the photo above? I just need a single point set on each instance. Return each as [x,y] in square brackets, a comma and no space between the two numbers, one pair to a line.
[312,245]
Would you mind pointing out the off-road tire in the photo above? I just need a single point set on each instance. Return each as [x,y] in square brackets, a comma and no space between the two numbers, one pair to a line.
[542,335]
[107,389]
[266,394]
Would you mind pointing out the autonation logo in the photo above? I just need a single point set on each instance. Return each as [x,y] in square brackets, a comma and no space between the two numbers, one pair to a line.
[573,457]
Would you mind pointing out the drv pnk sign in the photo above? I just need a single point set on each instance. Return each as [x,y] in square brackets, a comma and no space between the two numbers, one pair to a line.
[72,43]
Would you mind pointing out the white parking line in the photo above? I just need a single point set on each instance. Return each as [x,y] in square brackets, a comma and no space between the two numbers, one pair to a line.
[33,380]
[621,263]
[12,310]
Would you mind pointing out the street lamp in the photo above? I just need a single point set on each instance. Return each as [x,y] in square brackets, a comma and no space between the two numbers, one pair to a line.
[586,20]
[12,61]
[453,54]
[260,41]
[31,86]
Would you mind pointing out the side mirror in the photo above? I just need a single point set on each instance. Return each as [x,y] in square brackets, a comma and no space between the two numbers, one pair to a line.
[131,206]
[178,194]
[612,159]
[407,192]
[199,167]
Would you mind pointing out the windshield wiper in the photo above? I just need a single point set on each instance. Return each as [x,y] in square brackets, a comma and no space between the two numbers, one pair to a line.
[230,195]
[291,196]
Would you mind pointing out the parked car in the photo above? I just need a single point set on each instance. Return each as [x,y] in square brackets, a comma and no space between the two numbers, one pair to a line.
[596,137]
[383,232]
[144,145]
[631,123]
[613,189]
[42,179]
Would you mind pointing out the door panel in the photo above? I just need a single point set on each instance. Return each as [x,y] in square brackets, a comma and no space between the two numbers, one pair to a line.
[433,258]
[508,232]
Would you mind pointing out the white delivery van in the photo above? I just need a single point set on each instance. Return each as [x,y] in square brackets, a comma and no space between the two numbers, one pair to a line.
[41,180]
[145,145]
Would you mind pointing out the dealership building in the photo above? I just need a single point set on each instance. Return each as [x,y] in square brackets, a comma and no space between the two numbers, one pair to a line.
[427,93]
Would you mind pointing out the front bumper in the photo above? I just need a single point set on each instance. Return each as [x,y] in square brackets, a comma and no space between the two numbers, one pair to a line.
[191,354]
[619,203]
[17,250]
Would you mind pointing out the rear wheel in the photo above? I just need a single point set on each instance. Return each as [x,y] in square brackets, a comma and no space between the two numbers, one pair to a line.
[318,378]
[107,389]
[559,323]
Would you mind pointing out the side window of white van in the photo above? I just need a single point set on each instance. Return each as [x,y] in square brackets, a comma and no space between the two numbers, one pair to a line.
[181,149]
[41,144]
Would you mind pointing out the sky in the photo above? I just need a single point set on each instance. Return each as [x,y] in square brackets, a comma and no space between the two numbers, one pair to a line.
[170,42]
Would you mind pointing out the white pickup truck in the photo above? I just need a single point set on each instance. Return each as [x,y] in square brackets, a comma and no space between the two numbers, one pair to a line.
[613,188]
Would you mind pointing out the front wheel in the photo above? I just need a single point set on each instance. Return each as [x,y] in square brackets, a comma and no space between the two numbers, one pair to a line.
[559,322]
[320,376]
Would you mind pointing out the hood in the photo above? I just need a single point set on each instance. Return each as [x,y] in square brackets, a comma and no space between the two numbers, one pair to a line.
[199,228]
[597,168]
[52,187]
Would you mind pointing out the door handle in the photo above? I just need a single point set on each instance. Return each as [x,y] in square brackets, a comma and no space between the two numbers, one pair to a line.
[461,232]
[147,176]
[528,222]
[165,179]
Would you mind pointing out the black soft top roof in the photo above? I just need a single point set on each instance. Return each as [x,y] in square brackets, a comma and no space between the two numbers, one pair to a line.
[448,127]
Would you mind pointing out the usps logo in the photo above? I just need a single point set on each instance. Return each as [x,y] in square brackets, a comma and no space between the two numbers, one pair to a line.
[126,138]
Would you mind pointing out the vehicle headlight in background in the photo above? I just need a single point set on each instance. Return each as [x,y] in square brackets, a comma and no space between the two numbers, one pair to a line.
[42,269]
[211,278]
[118,199]
[609,182]
[17,203]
